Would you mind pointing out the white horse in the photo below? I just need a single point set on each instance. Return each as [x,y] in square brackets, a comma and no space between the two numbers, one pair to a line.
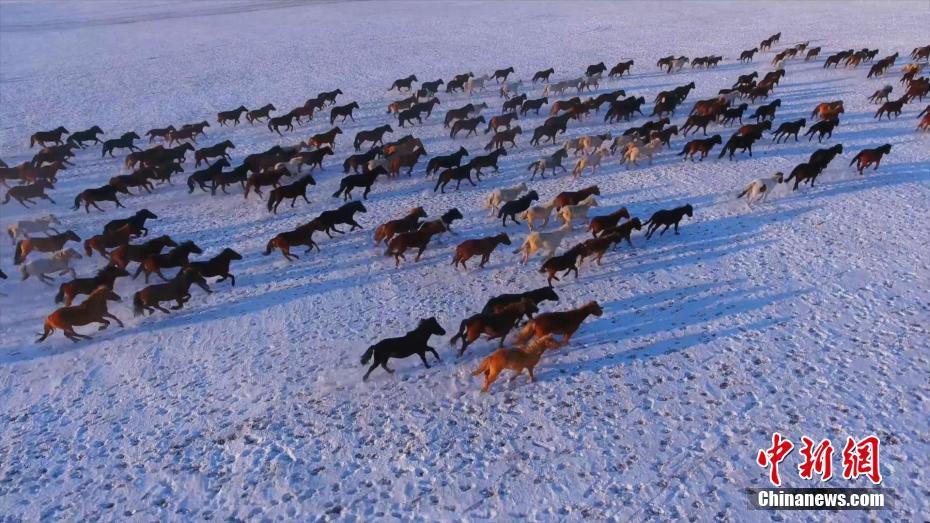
[538,212]
[499,196]
[24,227]
[537,241]
[592,160]
[59,262]
[476,84]
[571,213]
[760,188]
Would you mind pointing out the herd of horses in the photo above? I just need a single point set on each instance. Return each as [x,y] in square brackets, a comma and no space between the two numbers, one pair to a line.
[120,243]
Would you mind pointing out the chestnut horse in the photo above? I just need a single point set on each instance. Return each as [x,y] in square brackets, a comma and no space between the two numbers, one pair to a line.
[42,244]
[515,359]
[478,247]
[409,222]
[493,325]
[92,310]
[564,323]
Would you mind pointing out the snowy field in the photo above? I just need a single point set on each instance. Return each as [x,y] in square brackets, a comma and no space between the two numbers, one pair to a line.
[805,315]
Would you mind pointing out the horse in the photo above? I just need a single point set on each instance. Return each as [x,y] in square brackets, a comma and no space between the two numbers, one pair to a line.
[624,230]
[702,146]
[123,142]
[489,160]
[203,176]
[59,262]
[159,133]
[553,161]
[760,188]
[667,218]
[805,172]
[822,128]
[26,193]
[328,138]
[105,277]
[407,223]
[78,138]
[105,193]
[457,174]
[42,244]
[137,221]
[302,235]
[413,342]
[345,111]
[537,241]
[418,239]
[478,247]
[565,323]
[375,136]
[493,325]
[256,115]
[176,257]
[786,129]
[293,191]
[446,161]
[515,359]
[343,215]
[514,207]
[224,117]
[504,137]
[543,76]
[122,255]
[891,107]
[262,179]
[403,84]
[217,266]
[218,150]
[866,157]
[533,105]
[468,124]
[738,141]
[566,261]
[620,69]
[178,289]
[575,197]
[502,74]
[110,239]
[24,227]
[44,137]
[92,310]
[275,123]
[600,223]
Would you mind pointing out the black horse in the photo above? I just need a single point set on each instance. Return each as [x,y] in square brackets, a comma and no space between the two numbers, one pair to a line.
[328,220]
[667,218]
[137,221]
[123,142]
[512,208]
[537,296]
[414,342]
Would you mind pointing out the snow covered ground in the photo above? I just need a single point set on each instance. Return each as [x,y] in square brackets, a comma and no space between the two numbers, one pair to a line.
[806,315]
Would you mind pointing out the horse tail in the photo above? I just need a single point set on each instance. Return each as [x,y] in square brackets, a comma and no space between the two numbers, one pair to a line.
[744,193]
[32,141]
[855,158]
[485,363]
[526,332]
[684,150]
[137,304]
[368,354]
[190,183]
[18,253]
[60,297]
[12,234]
[269,247]
[379,234]
[88,246]
[461,333]
[77,203]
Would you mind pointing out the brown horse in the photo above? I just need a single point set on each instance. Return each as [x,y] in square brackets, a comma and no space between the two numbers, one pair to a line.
[122,255]
[867,157]
[828,110]
[178,289]
[600,223]
[493,325]
[92,310]
[42,244]
[110,240]
[256,115]
[160,133]
[91,196]
[263,179]
[702,146]
[516,360]
[44,137]
[564,323]
[566,261]
[479,247]
[218,150]
[624,230]
[328,138]
[575,197]
[26,193]
[176,257]
[418,239]
[409,222]
[105,277]
[224,117]
[302,235]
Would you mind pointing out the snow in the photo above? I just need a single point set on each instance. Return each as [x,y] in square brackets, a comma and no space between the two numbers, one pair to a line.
[805,315]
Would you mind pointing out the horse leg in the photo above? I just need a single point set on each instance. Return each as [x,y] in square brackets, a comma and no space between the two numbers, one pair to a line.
[159,307]
[117,320]
[370,369]
[104,324]
[385,367]
[422,356]
[434,352]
